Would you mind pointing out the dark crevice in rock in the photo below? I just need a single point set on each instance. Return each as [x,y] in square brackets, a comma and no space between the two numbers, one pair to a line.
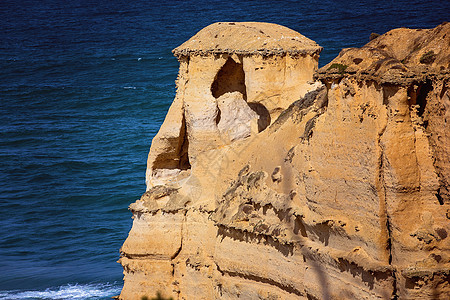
[178,250]
[439,197]
[184,163]
[422,94]
[418,93]
[394,295]
[389,245]
[219,115]
[388,92]
[389,240]
[181,240]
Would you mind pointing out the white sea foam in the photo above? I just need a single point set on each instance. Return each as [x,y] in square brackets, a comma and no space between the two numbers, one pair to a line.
[75,291]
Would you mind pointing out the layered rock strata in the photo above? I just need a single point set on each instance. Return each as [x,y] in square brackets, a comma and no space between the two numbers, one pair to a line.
[270,179]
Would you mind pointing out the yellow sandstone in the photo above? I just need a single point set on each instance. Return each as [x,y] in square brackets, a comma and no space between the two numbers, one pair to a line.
[270,179]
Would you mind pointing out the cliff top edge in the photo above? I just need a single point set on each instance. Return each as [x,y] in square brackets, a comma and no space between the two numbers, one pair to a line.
[399,56]
[247,38]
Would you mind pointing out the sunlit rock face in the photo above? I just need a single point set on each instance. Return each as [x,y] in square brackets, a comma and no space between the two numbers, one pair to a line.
[270,179]
[234,80]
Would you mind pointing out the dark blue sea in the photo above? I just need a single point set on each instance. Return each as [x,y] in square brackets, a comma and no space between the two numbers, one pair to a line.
[84,87]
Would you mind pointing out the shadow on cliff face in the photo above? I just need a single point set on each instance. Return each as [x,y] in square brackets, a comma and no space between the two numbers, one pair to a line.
[423,96]
[264,115]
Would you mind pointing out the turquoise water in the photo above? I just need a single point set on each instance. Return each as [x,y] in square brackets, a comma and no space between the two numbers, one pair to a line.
[84,87]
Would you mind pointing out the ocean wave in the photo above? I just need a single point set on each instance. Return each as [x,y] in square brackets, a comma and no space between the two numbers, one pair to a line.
[69,291]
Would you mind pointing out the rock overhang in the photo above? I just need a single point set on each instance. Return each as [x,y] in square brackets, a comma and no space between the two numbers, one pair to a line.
[254,38]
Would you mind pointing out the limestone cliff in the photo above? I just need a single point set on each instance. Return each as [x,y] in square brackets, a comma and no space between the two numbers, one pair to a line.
[270,179]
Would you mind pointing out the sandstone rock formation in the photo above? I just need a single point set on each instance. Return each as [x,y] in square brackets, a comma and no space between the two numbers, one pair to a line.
[270,179]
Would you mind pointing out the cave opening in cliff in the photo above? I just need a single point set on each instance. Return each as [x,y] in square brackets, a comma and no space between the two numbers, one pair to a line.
[230,78]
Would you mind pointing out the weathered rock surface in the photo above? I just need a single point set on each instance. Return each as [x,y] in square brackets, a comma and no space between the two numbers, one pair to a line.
[265,184]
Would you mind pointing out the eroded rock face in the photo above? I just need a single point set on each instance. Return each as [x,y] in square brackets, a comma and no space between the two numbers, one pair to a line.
[229,88]
[265,184]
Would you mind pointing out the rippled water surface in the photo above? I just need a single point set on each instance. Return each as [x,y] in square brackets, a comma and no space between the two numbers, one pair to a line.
[84,87]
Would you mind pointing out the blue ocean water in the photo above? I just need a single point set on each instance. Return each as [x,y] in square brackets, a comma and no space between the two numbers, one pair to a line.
[84,87]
